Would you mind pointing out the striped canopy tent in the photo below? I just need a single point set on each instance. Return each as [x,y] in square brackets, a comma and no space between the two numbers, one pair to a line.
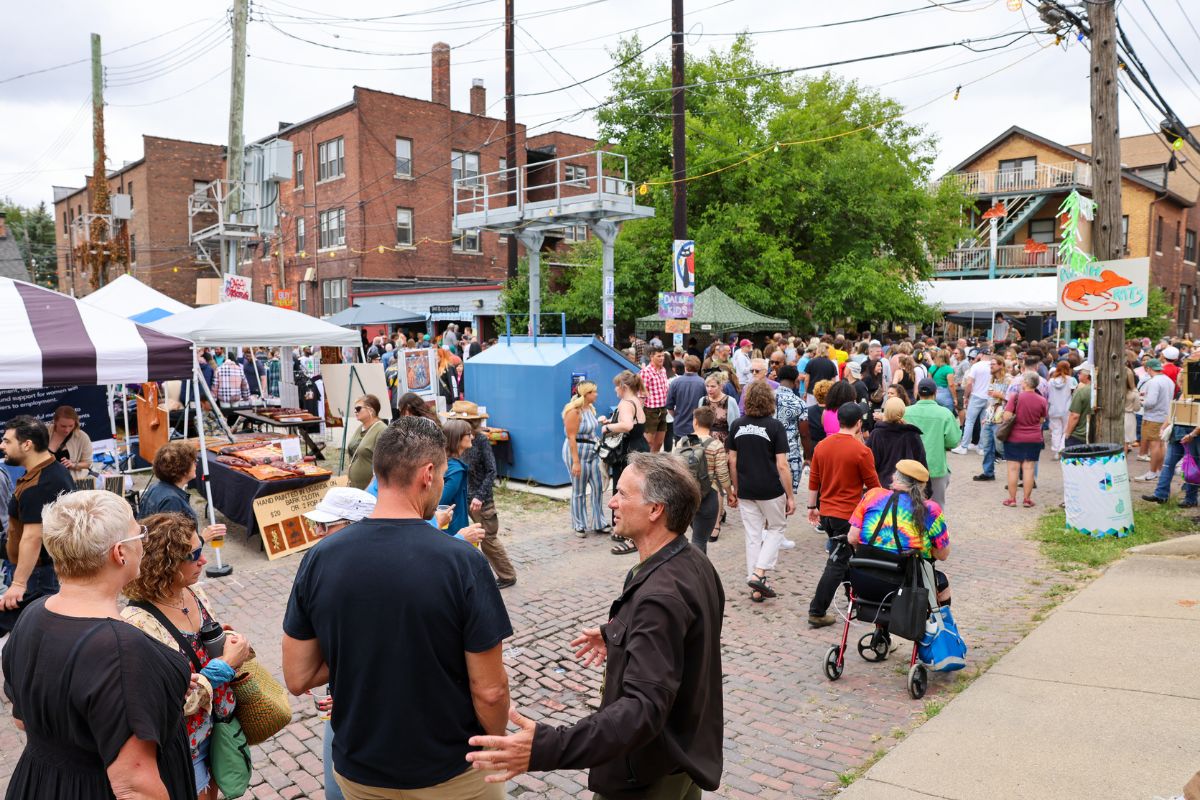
[715,313]
[50,339]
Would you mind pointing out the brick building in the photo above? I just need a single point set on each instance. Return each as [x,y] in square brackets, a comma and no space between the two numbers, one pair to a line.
[1031,175]
[158,185]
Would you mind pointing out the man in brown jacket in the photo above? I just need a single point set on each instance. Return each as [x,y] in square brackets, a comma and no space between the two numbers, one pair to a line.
[659,729]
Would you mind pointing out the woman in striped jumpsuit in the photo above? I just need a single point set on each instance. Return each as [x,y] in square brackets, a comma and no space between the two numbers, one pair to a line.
[579,454]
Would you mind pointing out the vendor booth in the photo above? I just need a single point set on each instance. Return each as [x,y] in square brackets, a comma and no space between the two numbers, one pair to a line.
[376,313]
[130,298]
[524,382]
[1008,295]
[715,313]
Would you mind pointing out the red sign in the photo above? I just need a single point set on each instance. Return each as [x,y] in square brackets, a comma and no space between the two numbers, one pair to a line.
[285,298]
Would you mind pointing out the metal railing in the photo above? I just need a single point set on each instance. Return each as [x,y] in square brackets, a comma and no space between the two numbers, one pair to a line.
[1009,258]
[1042,177]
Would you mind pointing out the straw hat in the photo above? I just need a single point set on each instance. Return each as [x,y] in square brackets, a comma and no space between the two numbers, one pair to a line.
[465,409]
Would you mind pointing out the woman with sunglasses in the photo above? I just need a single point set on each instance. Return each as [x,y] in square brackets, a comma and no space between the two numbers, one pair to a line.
[361,448]
[89,690]
[167,606]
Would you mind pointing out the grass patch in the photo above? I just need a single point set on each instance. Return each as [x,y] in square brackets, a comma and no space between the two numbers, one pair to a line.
[933,708]
[850,776]
[1072,552]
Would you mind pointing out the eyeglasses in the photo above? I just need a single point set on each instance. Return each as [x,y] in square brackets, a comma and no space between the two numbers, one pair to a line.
[757,370]
[145,532]
[195,554]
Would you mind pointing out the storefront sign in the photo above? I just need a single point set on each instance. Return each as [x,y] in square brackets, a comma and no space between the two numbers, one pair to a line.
[678,326]
[236,287]
[683,260]
[675,305]
[444,309]
[281,521]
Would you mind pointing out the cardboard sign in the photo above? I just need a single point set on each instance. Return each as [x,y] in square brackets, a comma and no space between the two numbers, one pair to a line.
[285,298]
[235,287]
[281,522]
[683,263]
[678,326]
[1104,290]
[676,305]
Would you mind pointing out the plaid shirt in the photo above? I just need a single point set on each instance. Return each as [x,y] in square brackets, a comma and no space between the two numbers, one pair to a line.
[274,377]
[231,382]
[655,381]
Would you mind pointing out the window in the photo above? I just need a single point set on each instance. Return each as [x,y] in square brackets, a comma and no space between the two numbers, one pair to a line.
[1016,172]
[1185,302]
[331,159]
[464,165]
[1189,246]
[466,241]
[503,164]
[200,188]
[1177,237]
[333,228]
[301,239]
[132,249]
[404,232]
[577,175]
[575,233]
[333,296]
[1158,236]
[129,191]
[1125,234]
[299,169]
[269,294]
[1042,230]
[303,297]
[404,157]
[66,224]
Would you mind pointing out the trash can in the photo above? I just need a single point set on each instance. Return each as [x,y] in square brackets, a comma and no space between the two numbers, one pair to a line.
[1096,490]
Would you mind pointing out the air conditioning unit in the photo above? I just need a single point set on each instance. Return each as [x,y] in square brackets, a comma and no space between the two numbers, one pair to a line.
[122,206]
[277,160]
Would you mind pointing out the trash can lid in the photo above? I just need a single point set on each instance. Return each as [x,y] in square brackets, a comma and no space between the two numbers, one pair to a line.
[1098,450]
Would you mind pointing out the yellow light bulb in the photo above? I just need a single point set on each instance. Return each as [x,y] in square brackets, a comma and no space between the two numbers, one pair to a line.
[643,189]
[380,249]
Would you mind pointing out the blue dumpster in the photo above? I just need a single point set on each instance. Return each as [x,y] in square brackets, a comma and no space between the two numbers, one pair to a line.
[525,382]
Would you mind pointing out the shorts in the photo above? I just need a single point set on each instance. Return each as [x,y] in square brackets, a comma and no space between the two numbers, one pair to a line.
[656,420]
[1022,451]
[1151,430]
[200,765]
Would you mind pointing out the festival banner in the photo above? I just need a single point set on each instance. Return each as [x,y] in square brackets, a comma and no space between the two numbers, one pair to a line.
[683,265]
[1096,290]
[676,305]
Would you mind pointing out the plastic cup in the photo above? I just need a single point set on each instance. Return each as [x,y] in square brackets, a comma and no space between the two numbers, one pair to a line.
[320,695]
[441,509]
[217,542]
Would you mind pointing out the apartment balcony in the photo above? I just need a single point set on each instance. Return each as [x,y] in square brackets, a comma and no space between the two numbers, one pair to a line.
[1035,178]
[1011,261]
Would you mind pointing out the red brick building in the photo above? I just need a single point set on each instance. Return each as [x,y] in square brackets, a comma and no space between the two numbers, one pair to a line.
[158,185]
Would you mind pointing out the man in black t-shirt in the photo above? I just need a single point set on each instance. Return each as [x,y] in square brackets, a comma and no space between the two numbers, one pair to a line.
[406,624]
[26,444]
[820,368]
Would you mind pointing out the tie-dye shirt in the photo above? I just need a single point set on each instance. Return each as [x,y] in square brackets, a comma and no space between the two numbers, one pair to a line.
[866,516]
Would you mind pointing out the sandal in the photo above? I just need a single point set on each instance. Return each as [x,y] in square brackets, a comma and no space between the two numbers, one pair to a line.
[623,548]
[606,530]
[716,534]
[1028,503]
[1010,503]
[759,584]
[756,597]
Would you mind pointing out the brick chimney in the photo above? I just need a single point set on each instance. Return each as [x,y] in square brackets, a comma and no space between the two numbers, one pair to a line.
[3,225]
[478,97]
[441,74]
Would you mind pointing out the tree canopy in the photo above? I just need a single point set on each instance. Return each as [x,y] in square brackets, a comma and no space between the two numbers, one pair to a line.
[807,196]
[33,230]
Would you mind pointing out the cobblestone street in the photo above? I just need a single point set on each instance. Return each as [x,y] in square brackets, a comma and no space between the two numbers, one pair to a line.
[789,732]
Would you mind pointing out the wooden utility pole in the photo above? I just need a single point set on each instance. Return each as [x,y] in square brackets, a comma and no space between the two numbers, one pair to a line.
[678,132]
[237,144]
[97,246]
[1108,352]
[510,125]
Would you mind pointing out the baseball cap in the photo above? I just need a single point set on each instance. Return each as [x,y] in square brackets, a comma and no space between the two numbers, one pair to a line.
[342,502]
[854,368]
[1170,353]
[745,343]
[1084,367]
[926,387]
[1154,364]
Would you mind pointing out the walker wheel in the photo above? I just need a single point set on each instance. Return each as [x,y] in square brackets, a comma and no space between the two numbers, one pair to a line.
[873,647]
[918,681]
[833,667]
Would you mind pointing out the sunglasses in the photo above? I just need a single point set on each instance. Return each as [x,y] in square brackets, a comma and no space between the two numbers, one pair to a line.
[195,554]
[145,532]
[357,409]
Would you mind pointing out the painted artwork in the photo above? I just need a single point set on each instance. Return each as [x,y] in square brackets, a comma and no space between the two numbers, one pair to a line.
[417,372]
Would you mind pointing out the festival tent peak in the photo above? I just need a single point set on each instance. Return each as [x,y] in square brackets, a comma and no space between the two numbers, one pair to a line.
[242,322]
[130,298]
[375,313]
[715,313]
[51,339]
[1010,295]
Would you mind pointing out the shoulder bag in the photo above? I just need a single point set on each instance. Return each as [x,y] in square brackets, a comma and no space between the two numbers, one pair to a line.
[910,604]
[612,448]
[1005,428]
[229,751]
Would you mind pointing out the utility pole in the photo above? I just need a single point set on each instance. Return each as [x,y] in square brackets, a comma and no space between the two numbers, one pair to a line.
[1109,345]
[678,134]
[97,248]
[235,153]
[510,124]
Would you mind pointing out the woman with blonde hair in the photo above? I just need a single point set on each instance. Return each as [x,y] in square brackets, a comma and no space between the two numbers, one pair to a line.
[582,428]
[69,445]
[631,421]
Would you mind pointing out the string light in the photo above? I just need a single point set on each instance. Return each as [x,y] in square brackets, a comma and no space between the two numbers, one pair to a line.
[957,90]
[1014,5]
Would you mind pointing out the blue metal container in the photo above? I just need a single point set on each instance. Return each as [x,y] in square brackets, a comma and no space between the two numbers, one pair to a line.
[525,381]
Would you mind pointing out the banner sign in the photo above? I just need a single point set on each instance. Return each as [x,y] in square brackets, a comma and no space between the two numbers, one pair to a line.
[676,305]
[236,287]
[91,403]
[285,298]
[1089,289]
[683,261]
[281,521]
[678,326]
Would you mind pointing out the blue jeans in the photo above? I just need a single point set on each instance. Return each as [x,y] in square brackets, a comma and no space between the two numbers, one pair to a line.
[332,790]
[1175,451]
[975,409]
[987,443]
[945,398]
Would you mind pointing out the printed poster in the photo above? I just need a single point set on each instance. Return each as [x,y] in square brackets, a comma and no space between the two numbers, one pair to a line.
[1104,290]
[281,522]
[683,261]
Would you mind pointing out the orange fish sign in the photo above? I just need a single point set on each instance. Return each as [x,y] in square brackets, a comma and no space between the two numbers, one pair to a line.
[1104,290]
[997,211]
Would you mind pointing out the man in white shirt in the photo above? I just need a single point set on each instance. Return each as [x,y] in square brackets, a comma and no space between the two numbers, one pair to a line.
[1156,407]
[741,361]
[975,388]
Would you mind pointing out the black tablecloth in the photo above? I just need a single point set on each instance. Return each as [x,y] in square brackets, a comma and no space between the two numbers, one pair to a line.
[234,492]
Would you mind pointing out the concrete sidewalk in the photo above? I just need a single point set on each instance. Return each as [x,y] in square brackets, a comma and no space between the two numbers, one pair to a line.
[1100,701]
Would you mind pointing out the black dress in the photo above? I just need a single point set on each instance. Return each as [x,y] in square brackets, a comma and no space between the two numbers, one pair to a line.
[82,687]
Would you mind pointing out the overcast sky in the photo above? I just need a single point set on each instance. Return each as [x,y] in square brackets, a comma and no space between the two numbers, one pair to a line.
[176,84]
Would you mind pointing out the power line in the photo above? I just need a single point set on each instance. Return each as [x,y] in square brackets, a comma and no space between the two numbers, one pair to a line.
[840,23]
[1164,58]
[1167,36]
[151,62]
[1187,19]
[174,66]
[204,82]
[271,24]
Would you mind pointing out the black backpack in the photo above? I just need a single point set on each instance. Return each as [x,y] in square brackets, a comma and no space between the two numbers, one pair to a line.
[691,449]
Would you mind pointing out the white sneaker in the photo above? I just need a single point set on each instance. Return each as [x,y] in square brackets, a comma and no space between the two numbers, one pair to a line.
[959,451]
[972,447]
[1149,476]
[787,544]
[1143,458]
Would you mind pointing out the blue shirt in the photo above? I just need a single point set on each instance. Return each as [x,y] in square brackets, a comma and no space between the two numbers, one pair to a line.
[165,498]
[455,492]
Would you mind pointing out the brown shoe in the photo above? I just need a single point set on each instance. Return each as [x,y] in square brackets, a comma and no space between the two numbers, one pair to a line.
[821,621]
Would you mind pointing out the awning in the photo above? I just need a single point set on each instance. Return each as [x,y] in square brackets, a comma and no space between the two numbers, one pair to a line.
[239,322]
[50,339]
[715,313]
[130,298]
[997,294]
[375,313]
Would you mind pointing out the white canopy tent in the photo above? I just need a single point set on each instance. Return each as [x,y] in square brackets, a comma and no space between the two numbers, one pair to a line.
[1011,295]
[241,322]
[130,298]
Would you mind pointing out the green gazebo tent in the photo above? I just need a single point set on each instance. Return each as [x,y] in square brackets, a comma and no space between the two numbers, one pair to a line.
[716,313]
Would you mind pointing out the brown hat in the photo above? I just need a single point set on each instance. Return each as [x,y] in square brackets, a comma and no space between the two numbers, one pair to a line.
[913,469]
[465,409]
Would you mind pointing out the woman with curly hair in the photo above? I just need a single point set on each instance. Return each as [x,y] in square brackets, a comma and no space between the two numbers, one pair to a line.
[175,468]
[166,605]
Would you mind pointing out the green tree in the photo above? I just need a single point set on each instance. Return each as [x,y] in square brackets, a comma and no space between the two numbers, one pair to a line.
[33,231]
[1157,321]
[808,196]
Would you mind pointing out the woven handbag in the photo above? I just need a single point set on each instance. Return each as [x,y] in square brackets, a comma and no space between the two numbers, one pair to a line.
[262,702]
